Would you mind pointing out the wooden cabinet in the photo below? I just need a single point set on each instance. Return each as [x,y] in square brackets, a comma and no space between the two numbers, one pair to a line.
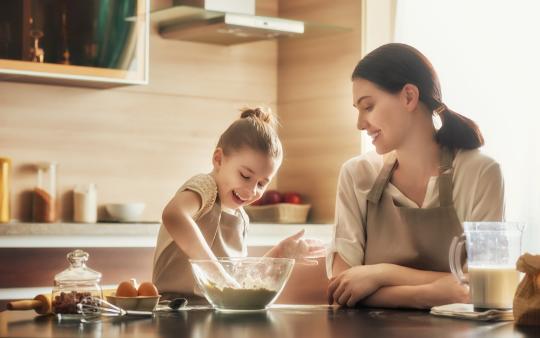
[89,43]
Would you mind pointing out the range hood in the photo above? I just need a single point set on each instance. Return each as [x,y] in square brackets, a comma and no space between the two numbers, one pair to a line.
[224,22]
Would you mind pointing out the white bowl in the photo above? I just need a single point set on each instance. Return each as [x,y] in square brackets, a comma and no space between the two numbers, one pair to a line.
[125,212]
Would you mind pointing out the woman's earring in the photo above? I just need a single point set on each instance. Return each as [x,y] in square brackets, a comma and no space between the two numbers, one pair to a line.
[437,121]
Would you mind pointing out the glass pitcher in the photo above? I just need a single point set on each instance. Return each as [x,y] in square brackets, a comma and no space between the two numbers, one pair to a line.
[492,251]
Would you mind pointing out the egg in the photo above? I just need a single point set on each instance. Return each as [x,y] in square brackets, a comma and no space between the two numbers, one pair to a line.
[126,289]
[147,289]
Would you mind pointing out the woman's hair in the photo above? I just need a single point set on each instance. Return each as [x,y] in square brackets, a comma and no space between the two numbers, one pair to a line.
[256,129]
[394,65]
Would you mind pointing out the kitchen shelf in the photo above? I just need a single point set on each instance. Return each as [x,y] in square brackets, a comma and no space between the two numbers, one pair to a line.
[58,235]
[49,73]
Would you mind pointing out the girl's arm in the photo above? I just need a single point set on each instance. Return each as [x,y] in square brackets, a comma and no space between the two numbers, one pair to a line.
[178,220]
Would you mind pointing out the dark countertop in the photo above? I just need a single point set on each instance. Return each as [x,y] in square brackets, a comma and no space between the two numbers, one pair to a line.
[280,321]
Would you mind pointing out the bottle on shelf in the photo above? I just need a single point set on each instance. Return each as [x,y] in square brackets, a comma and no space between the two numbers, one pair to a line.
[5,167]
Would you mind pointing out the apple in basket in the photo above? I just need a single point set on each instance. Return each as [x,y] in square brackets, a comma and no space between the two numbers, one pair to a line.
[272,197]
[292,197]
[258,202]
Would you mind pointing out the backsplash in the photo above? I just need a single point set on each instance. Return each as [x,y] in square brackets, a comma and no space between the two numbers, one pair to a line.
[136,143]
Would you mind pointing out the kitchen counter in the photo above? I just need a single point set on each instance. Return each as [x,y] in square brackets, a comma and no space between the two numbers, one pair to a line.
[282,321]
[55,235]
[32,253]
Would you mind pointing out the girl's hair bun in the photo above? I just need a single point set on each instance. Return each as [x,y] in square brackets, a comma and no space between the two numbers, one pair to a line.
[256,129]
[259,113]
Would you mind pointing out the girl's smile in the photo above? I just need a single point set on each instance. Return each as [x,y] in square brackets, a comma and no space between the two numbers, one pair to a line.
[242,176]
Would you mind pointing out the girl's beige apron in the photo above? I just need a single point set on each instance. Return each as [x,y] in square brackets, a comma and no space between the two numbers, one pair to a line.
[225,234]
[413,237]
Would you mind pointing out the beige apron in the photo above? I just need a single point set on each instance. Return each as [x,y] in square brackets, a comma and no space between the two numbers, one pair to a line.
[225,234]
[413,237]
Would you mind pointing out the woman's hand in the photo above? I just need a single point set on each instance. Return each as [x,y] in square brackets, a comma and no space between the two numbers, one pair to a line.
[355,284]
[304,250]
[447,290]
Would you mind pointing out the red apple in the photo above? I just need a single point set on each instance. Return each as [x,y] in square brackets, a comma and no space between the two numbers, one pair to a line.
[292,197]
[260,201]
[272,197]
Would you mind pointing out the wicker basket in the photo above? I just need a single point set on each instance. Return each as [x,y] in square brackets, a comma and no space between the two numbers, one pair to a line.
[279,213]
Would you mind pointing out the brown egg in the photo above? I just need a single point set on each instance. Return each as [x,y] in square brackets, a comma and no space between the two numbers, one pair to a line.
[148,289]
[126,289]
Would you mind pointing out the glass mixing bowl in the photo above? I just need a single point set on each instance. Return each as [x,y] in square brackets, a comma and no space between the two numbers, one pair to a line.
[251,283]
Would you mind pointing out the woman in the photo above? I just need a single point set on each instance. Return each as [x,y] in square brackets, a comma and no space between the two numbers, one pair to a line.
[398,210]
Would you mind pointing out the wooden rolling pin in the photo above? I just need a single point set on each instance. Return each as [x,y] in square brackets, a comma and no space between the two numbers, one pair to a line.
[41,304]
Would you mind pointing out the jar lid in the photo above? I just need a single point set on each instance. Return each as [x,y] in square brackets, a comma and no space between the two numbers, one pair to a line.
[77,271]
[46,165]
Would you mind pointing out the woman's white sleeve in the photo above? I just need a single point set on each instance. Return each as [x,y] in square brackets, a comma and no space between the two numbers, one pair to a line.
[489,195]
[349,231]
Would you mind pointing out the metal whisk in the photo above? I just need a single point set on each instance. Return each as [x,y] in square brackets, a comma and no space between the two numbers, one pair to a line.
[91,307]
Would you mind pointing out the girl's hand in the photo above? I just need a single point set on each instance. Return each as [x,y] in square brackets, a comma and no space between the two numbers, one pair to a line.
[303,250]
[354,284]
[218,275]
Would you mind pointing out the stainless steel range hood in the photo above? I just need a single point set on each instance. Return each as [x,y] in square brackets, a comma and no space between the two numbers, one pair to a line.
[224,22]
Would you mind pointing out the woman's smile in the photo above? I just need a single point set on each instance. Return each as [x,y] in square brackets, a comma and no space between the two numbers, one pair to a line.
[374,135]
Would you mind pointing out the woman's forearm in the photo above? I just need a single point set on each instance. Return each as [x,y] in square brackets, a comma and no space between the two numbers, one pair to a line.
[338,265]
[404,296]
[397,275]
[391,274]
[446,290]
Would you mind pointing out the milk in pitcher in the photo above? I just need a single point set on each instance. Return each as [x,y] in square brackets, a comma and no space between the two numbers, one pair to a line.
[493,287]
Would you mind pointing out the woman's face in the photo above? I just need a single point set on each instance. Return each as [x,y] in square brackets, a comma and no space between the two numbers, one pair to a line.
[243,175]
[381,114]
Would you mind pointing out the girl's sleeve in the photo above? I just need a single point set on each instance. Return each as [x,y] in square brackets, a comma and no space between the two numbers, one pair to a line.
[349,231]
[489,203]
[204,186]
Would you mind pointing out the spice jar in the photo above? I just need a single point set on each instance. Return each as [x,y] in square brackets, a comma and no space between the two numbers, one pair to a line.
[73,284]
[44,209]
[5,164]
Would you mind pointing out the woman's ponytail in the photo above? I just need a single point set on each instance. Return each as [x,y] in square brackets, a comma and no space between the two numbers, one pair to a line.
[457,131]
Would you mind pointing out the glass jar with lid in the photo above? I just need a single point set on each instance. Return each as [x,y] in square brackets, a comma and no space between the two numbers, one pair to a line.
[44,207]
[73,284]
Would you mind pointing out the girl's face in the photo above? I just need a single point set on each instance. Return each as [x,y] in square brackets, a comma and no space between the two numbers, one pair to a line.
[243,175]
[381,114]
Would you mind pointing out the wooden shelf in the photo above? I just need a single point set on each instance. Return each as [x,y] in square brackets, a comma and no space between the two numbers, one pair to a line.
[25,71]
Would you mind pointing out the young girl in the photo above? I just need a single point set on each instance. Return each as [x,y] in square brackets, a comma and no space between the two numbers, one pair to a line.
[205,218]
[396,214]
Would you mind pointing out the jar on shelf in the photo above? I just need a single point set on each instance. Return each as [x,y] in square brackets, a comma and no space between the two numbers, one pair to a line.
[74,284]
[44,206]
[85,203]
